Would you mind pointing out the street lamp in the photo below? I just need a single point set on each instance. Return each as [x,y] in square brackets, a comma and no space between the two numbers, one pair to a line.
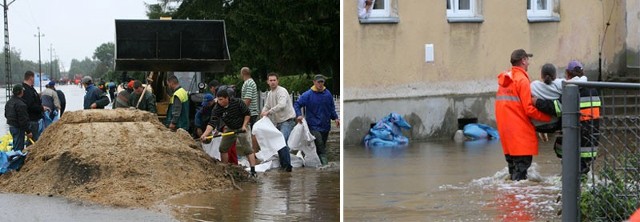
[39,59]
[51,77]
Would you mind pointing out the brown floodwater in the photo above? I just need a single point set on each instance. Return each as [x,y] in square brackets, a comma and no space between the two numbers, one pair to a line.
[306,194]
[447,181]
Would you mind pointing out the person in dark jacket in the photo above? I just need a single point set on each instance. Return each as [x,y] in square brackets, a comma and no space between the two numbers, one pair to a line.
[94,98]
[63,100]
[235,115]
[122,97]
[17,117]
[34,104]
[319,111]
[178,110]
[146,103]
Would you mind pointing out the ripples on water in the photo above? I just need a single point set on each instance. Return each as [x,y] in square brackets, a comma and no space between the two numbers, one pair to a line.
[445,181]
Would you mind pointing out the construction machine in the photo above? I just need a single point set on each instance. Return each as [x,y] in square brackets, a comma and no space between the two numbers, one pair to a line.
[187,49]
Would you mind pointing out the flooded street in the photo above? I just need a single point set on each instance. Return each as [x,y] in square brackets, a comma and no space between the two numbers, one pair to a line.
[447,181]
[306,194]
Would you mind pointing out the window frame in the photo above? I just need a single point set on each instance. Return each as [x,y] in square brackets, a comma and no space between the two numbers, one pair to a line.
[455,12]
[471,15]
[551,14]
[381,13]
[534,12]
[388,15]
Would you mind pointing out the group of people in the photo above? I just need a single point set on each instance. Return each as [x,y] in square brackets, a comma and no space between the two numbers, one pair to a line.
[221,111]
[524,107]
[229,114]
[29,112]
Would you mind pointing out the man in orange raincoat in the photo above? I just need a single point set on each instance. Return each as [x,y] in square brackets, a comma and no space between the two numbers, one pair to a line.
[514,109]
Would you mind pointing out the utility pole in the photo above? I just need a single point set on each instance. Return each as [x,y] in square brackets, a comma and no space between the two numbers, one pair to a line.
[7,51]
[51,75]
[39,58]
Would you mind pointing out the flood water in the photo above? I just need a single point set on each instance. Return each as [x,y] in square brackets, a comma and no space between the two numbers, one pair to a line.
[306,194]
[447,181]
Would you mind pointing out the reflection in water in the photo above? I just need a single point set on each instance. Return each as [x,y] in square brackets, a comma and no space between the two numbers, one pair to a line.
[306,194]
[447,181]
[386,152]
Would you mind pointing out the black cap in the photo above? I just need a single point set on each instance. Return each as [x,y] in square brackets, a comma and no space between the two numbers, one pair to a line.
[518,55]
[17,88]
[319,77]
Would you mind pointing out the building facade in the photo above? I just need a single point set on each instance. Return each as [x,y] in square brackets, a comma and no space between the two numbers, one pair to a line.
[436,62]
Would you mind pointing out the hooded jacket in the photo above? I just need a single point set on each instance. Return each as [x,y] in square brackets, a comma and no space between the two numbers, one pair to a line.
[319,108]
[513,112]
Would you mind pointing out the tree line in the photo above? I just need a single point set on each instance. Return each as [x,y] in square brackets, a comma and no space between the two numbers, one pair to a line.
[290,37]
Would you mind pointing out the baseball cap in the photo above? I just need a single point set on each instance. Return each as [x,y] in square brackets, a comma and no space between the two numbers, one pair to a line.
[519,54]
[319,77]
[51,83]
[87,80]
[17,88]
[206,99]
[574,66]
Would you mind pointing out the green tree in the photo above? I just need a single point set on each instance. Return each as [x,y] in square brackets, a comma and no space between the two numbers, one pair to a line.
[85,67]
[164,8]
[286,36]
[104,54]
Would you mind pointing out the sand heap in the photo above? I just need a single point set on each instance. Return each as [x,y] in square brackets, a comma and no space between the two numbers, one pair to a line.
[115,157]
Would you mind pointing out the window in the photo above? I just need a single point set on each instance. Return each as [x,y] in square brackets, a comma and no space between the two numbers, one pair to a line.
[539,8]
[542,11]
[463,11]
[383,11]
[381,8]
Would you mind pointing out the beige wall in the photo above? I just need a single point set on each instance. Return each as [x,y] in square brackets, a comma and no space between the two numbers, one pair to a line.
[387,60]
[633,33]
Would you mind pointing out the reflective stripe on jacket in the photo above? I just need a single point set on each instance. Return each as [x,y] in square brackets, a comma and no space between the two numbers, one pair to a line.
[514,109]
[183,119]
[589,122]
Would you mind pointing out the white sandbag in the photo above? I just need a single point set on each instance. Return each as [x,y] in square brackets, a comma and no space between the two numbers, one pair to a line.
[296,161]
[264,166]
[302,139]
[269,138]
[213,148]
[300,135]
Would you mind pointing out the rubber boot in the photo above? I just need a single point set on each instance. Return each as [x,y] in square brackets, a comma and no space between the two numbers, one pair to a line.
[323,159]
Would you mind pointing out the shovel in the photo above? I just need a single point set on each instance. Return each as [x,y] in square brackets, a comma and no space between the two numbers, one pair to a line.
[209,138]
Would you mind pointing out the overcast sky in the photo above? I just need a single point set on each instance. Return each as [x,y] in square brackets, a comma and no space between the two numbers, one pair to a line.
[73,27]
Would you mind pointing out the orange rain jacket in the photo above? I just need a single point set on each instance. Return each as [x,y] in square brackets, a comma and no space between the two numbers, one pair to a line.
[513,112]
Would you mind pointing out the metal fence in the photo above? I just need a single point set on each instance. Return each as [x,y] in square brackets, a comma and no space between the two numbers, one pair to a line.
[294,96]
[610,191]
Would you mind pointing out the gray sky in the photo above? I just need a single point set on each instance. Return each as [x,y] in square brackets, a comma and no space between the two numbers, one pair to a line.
[73,27]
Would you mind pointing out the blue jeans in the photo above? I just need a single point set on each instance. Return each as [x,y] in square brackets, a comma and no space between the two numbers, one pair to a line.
[18,138]
[283,154]
[34,126]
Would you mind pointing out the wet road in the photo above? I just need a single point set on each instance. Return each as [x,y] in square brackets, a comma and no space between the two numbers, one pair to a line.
[447,181]
[19,207]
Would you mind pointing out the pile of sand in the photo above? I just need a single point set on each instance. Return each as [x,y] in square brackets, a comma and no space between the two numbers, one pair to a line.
[115,157]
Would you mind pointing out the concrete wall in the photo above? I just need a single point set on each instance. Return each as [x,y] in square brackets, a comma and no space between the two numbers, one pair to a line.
[430,117]
[385,70]
[633,33]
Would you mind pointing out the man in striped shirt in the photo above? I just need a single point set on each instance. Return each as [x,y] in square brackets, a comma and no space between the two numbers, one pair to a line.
[249,95]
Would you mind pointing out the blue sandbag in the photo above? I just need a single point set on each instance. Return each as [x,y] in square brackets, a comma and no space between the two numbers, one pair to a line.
[480,131]
[388,132]
[11,160]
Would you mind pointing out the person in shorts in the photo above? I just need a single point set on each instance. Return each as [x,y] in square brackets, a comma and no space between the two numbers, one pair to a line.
[235,115]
